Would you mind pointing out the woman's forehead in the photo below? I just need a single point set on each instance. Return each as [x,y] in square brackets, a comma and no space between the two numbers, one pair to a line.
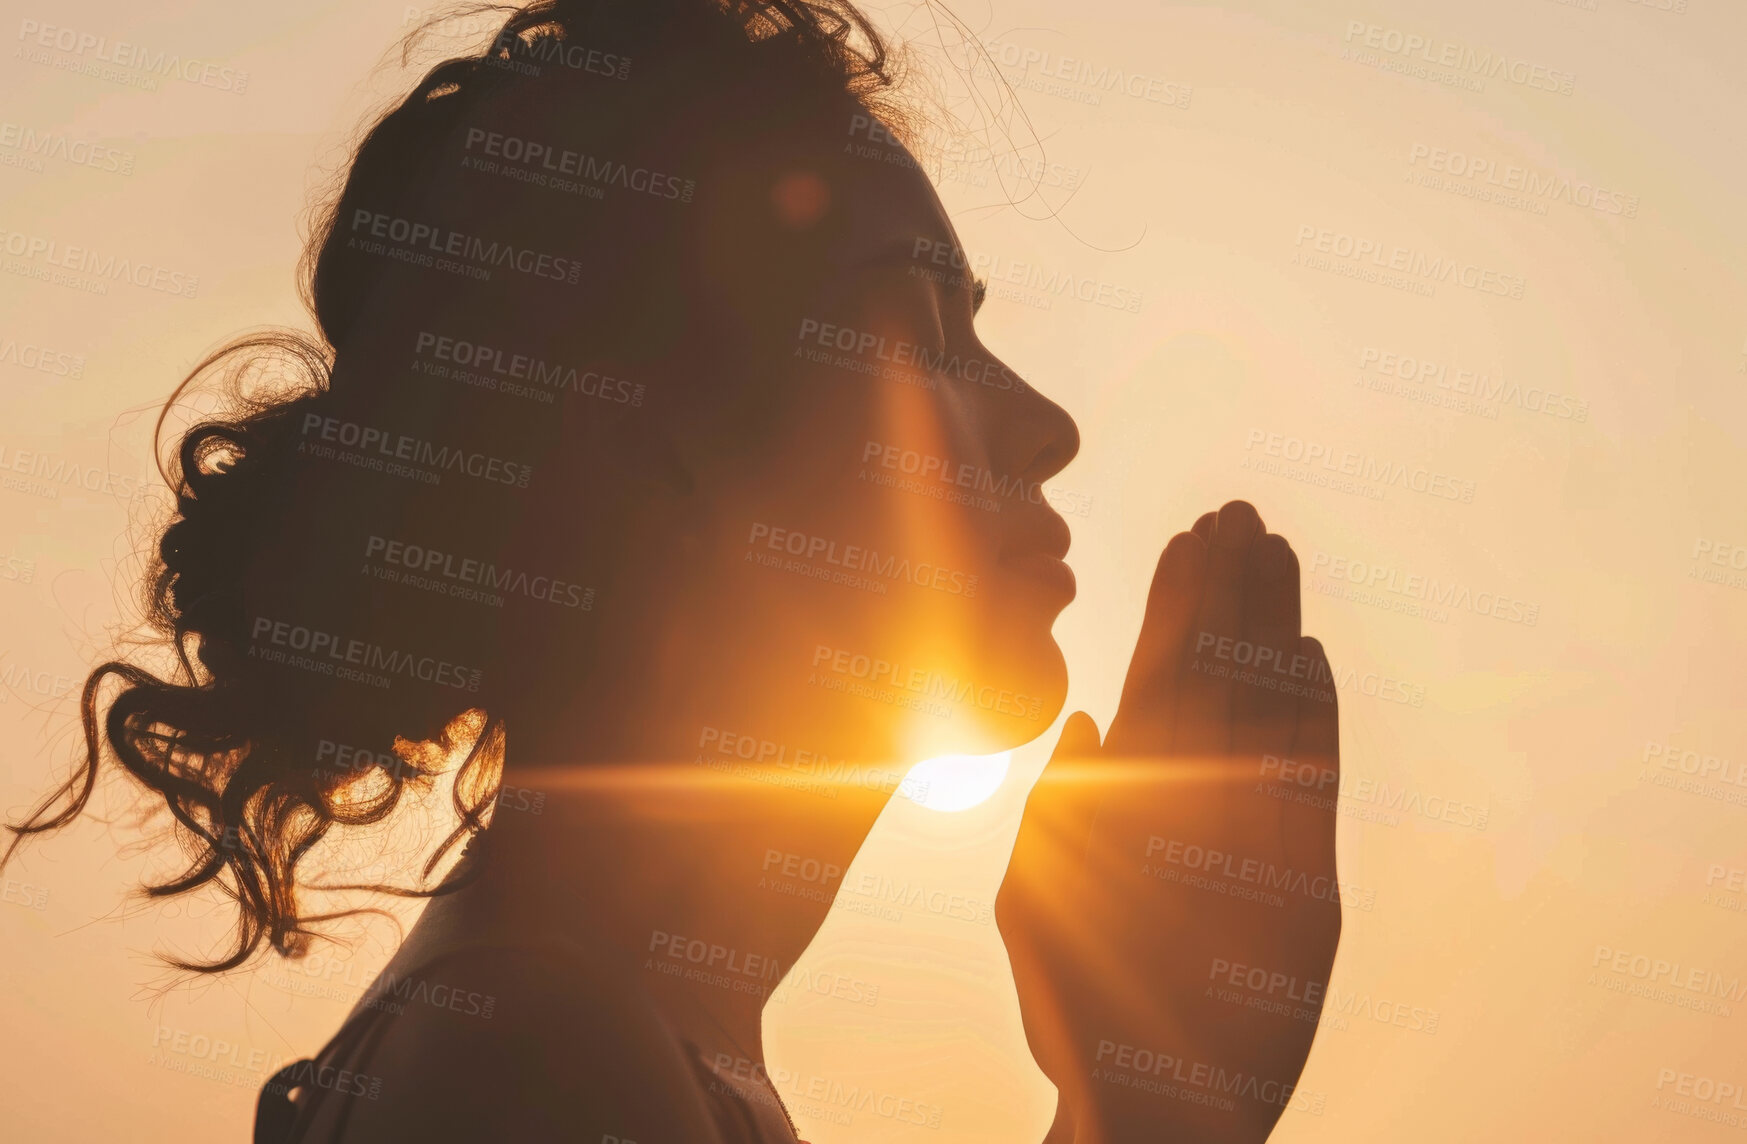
[894,207]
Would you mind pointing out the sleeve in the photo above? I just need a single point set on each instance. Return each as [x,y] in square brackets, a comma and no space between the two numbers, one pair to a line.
[495,1045]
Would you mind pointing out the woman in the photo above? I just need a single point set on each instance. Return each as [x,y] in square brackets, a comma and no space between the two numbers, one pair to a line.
[648,451]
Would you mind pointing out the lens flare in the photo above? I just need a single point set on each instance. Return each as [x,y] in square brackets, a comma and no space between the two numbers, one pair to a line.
[955,782]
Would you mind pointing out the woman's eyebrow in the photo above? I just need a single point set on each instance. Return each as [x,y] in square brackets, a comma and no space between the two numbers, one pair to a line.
[911,255]
[903,252]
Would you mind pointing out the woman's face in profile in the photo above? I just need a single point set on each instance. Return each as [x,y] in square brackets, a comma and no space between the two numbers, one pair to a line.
[888,547]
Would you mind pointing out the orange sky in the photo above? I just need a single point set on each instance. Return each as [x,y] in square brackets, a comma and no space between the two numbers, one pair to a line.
[1452,293]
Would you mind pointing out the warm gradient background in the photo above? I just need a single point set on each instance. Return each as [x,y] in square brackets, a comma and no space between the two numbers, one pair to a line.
[1640,322]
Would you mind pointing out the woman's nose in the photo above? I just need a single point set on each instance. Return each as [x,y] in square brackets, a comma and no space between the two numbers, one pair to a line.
[1047,437]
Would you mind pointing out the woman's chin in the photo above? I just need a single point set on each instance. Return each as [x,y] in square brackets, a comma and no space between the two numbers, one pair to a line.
[1007,710]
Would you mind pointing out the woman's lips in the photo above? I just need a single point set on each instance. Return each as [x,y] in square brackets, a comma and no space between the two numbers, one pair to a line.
[1051,571]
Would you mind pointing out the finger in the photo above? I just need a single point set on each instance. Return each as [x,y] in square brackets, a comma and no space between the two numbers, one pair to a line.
[1062,809]
[1309,826]
[1079,741]
[1143,717]
[1318,735]
[1058,811]
[1202,723]
[1203,526]
[1264,712]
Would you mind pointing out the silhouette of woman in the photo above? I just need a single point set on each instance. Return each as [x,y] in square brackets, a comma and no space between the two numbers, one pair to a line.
[647,463]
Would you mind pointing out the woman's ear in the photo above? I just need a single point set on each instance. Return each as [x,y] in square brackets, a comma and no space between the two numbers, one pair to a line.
[633,439]
[650,457]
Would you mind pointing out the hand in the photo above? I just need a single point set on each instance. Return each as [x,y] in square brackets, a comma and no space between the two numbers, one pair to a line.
[1171,908]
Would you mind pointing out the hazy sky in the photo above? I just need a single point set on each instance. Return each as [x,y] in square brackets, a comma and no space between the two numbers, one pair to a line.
[1456,294]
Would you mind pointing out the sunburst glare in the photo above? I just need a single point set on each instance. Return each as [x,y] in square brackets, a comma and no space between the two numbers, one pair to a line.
[955,782]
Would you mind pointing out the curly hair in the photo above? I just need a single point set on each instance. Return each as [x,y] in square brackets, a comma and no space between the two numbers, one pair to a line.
[224,740]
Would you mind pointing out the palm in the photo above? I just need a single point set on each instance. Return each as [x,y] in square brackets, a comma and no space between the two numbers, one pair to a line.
[1157,872]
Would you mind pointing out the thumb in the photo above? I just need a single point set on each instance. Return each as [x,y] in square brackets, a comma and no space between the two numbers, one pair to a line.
[1080,741]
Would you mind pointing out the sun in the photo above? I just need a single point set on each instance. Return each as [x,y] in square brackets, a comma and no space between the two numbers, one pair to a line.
[955,782]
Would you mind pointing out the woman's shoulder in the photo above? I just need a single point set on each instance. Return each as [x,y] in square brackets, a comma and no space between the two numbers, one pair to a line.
[519,981]
[524,1042]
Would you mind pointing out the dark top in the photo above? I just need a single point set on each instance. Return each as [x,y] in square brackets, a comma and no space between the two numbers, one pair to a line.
[465,1039]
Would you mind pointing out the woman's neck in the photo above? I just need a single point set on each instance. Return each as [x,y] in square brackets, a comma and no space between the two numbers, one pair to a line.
[674,869]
